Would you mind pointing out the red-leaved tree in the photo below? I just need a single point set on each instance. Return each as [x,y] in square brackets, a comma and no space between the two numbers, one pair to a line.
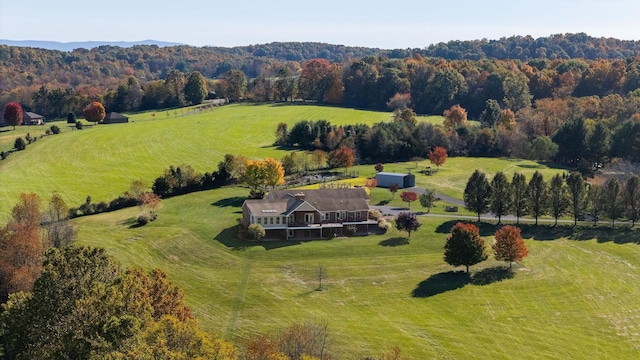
[438,156]
[509,245]
[94,112]
[409,197]
[464,246]
[13,114]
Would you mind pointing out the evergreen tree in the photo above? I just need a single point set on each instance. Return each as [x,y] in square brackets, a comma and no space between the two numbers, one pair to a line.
[537,195]
[577,192]
[500,201]
[519,196]
[631,196]
[477,193]
[558,201]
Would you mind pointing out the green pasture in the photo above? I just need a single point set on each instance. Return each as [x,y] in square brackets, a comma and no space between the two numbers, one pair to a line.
[574,297]
[102,160]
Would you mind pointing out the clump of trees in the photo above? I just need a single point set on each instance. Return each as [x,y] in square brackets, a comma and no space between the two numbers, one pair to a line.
[94,308]
[561,195]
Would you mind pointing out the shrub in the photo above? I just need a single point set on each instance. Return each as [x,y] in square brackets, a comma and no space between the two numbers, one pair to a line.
[376,214]
[122,202]
[47,132]
[256,232]
[101,207]
[350,230]
[55,129]
[78,125]
[20,144]
[3,155]
[384,225]
[143,219]
[256,194]
[71,118]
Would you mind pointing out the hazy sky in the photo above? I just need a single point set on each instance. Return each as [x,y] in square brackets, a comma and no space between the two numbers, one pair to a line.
[375,23]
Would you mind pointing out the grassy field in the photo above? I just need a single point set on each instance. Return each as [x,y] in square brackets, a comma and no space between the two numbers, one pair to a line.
[101,161]
[574,297]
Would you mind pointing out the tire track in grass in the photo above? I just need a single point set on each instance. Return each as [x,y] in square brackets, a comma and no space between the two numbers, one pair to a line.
[238,300]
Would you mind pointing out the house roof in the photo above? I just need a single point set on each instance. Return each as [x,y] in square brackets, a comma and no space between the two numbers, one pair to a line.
[30,115]
[285,202]
[383,173]
[114,115]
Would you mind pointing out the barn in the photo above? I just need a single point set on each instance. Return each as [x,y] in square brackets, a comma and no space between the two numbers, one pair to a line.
[385,179]
[114,118]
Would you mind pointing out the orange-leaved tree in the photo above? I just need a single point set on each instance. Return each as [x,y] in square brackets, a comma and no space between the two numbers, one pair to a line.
[94,112]
[13,114]
[21,246]
[273,172]
[455,116]
[342,157]
[509,245]
[438,156]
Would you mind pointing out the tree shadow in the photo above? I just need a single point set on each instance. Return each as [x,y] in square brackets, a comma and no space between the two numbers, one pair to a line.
[441,283]
[619,234]
[393,242]
[383,202]
[486,229]
[235,201]
[491,275]
[229,238]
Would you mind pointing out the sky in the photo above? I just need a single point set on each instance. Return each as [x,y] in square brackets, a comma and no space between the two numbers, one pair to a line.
[382,24]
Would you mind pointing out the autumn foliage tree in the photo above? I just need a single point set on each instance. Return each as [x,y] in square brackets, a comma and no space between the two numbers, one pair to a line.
[464,246]
[509,245]
[21,246]
[13,114]
[273,172]
[437,156]
[85,306]
[342,157]
[94,112]
[455,116]
[408,197]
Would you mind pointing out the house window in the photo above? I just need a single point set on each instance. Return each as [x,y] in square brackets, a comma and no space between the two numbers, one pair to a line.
[308,218]
[259,220]
[343,215]
[252,220]
[278,220]
[271,221]
[326,216]
[291,220]
[358,215]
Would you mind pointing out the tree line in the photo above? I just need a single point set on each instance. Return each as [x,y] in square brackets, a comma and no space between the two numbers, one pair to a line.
[562,195]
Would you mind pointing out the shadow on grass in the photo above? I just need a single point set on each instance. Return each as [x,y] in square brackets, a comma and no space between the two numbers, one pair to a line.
[235,201]
[229,238]
[441,283]
[491,275]
[131,223]
[383,202]
[453,280]
[620,234]
[393,242]
[486,229]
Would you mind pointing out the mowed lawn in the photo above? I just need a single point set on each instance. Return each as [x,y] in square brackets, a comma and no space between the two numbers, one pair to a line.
[101,161]
[572,298]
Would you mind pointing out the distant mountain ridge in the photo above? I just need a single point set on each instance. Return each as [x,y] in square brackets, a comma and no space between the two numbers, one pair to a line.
[70,46]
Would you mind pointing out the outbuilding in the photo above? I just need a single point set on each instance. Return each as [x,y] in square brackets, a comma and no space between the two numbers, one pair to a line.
[114,118]
[385,179]
[29,118]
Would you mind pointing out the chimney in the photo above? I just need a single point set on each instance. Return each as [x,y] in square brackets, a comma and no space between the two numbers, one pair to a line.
[299,196]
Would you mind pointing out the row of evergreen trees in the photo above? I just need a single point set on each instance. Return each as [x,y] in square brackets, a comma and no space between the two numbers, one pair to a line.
[562,195]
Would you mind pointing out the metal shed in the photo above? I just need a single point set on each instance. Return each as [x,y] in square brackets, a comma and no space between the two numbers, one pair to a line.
[385,179]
